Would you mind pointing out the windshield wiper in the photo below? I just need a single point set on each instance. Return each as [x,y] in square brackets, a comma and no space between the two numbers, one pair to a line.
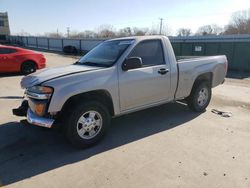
[89,63]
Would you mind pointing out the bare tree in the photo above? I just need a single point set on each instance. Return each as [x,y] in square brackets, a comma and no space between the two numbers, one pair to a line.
[128,31]
[238,25]
[209,30]
[140,31]
[106,31]
[125,32]
[204,30]
[23,33]
[73,34]
[88,34]
[53,34]
[166,30]
[217,30]
[184,32]
[230,30]
[155,30]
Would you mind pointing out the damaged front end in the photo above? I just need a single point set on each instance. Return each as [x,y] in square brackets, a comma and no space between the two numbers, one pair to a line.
[35,108]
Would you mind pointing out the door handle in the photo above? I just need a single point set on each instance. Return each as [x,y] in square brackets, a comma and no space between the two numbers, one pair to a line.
[163,71]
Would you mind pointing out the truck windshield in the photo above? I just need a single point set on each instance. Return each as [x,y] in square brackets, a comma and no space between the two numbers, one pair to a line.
[106,53]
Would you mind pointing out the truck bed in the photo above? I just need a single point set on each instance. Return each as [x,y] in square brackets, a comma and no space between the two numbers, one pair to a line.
[191,66]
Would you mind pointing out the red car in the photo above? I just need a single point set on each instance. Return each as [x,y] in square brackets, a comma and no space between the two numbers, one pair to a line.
[14,59]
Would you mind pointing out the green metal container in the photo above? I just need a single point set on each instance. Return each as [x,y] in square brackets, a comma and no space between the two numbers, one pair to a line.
[238,53]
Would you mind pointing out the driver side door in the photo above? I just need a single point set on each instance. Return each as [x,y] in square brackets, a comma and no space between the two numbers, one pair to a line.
[148,84]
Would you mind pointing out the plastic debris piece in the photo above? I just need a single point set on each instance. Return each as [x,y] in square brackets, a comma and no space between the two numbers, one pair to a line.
[221,113]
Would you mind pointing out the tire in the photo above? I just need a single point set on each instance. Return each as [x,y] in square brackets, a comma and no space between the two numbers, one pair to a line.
[28,67]
[83,128]
[200,96]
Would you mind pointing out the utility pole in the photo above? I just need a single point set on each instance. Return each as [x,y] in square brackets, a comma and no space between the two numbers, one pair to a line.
[161,20]
[68,30]
[57,33]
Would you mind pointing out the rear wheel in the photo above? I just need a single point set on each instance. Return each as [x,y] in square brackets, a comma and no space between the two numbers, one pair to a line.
[28,67]
[87,123]
[200,96]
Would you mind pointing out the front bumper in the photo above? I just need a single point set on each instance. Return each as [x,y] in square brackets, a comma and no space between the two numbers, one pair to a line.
[41,66]
[35,109]
[32,118]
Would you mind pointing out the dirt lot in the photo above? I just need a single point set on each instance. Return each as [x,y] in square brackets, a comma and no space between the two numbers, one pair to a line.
[167,146]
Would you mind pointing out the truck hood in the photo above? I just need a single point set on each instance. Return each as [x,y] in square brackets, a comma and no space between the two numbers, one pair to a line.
[52,73]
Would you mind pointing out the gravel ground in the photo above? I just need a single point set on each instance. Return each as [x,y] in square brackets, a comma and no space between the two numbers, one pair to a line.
[166,146]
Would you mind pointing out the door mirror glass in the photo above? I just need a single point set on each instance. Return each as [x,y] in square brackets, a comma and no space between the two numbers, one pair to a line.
[132,63]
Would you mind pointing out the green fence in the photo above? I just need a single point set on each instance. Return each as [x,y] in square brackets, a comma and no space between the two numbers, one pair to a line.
[237,50]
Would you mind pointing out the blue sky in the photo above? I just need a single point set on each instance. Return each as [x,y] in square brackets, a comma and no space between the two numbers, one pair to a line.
[39,16]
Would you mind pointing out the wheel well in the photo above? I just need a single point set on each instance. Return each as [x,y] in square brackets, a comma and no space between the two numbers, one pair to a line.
[204,77]
[101,96]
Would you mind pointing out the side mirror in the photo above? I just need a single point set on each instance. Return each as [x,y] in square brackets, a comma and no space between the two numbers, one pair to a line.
[132,63]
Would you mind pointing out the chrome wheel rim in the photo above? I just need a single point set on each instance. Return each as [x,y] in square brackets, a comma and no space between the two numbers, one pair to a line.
[89,124]
[203,97]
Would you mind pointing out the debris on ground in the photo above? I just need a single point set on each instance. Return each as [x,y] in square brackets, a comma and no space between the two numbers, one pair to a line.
[205,174]
[221,113]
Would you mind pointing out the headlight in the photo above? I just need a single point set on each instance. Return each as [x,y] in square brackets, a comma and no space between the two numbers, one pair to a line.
[41,89]
[39,92]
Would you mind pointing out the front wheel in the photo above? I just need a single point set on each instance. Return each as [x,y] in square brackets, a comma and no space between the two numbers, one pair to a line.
[87,124]
[200,96]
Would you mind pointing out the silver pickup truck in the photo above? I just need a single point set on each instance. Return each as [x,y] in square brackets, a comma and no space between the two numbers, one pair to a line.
[117,77]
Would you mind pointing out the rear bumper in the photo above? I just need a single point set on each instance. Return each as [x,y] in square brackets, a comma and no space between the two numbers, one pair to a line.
[32,118]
